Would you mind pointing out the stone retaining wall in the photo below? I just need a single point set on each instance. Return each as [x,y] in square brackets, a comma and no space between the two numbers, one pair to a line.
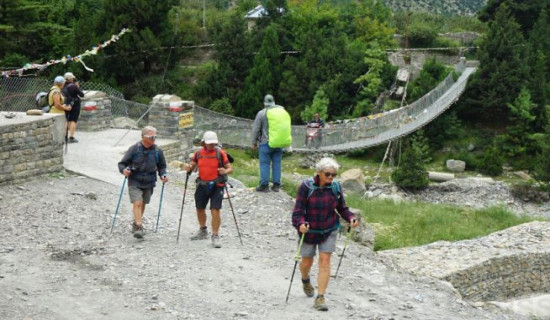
[503,278]
[509,263]
[95,112]
[30,146]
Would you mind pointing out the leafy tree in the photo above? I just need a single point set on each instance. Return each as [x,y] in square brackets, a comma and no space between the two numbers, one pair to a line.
[411,173]
[223,106]
[320,105]
[430,76]
[371,82]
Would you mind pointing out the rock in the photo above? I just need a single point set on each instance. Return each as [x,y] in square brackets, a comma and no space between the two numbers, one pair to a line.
[353,181]
[522,174]
[123,123]
[455,165]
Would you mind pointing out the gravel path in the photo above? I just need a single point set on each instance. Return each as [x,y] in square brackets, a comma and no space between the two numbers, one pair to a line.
[58,260]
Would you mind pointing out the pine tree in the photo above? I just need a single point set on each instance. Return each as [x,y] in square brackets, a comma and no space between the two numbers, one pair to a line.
[264,75]
[502,72]
[411,173]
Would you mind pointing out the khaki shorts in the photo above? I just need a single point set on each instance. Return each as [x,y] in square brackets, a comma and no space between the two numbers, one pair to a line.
[140,194]
[328,246]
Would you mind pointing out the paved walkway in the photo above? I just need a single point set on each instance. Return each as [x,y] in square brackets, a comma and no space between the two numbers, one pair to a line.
[96,156]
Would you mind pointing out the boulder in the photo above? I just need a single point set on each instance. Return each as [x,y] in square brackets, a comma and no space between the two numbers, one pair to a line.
[352,180]
[455,165]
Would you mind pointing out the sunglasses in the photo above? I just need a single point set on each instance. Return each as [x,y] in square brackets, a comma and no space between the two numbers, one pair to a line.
[329,174]
[151,137]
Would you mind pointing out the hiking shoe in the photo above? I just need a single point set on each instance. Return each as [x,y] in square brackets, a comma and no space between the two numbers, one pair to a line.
[308,288]
[137,230]
[72,140]
[216,241]
[200,235]
[320,303]
[262,188]
[276,187]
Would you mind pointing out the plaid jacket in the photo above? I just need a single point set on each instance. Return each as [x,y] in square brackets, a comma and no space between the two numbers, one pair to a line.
[319,211]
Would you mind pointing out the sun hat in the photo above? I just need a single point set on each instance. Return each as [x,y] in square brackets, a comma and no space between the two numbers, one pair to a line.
[268,100]
[69,75]
[59,79]
[210,137]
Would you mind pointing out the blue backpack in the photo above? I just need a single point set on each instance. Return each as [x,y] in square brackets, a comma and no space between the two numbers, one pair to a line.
[336,189]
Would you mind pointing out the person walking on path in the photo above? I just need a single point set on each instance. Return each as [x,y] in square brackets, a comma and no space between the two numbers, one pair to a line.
[214,167]
[266,134]
[72,93]
[319,205]
[56,100]
[140,165]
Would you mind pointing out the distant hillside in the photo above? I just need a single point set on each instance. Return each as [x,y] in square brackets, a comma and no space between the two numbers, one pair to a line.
[444,7]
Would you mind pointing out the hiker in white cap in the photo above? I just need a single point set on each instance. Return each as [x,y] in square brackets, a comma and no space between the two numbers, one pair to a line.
[214,166]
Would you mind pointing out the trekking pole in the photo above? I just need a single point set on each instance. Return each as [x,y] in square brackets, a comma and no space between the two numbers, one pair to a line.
[348,236]
[233,211]
[118,204]
[160,206]
[296,259]
[66,136]
[182,202]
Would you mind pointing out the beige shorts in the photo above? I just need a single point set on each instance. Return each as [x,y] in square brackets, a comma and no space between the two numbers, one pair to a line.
[140,194]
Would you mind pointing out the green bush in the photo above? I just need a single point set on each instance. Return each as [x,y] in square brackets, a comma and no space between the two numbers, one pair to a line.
[411,174]
[491,162]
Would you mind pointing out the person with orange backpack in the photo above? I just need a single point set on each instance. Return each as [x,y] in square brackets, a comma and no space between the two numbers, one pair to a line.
[214,166]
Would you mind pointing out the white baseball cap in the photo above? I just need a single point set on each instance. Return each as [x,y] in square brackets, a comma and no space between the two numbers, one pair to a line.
[210,137]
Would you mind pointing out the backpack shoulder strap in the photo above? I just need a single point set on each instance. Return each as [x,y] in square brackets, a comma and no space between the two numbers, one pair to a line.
[311,187]
[219,156]
[337,189]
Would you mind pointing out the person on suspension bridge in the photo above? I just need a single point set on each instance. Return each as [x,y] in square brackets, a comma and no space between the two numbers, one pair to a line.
[214,166]
[319,205]
[140,165]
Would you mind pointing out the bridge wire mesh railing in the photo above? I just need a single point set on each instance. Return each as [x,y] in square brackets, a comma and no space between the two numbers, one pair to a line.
[18,94]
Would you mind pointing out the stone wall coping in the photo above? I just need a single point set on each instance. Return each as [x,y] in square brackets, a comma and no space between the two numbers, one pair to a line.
[91,94]
[443,258]
[165,98]
[22,117]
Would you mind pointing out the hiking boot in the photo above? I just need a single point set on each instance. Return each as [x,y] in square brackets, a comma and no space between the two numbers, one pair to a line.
[308,288]
[216,241]
[72,140]
[320,303]
[200,235]
[276,187]
[137,230]
[262,188]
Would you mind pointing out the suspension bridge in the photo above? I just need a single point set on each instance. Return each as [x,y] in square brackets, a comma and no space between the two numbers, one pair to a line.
[17,94]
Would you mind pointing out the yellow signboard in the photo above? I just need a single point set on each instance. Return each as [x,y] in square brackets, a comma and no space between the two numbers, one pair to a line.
[186,120]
